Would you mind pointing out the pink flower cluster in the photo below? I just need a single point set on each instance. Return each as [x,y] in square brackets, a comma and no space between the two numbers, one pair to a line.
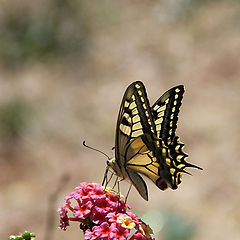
[102,215]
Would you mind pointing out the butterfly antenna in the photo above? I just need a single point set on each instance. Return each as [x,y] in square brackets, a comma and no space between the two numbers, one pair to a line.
[85,145]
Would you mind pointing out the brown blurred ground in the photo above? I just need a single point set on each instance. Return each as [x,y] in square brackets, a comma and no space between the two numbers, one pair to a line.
[76,96]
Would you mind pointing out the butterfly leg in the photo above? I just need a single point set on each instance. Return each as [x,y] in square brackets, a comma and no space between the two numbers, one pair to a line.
[118,191]
[128,193]
[118,186]
[115,183]
[105,176]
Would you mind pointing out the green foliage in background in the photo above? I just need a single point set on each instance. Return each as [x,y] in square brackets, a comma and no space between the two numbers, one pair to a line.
[177,227]
[60,28]
[56,29]
[168,225]
[24,236]
[15,117]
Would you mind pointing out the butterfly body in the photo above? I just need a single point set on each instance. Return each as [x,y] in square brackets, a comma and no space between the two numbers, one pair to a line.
[145,139]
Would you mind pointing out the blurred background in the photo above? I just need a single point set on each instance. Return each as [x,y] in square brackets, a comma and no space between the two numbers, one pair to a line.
[64,66]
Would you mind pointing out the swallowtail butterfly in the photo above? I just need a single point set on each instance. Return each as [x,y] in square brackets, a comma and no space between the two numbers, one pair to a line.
[145,141]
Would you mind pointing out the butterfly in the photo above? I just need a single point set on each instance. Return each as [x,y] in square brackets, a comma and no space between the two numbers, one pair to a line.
[145,141]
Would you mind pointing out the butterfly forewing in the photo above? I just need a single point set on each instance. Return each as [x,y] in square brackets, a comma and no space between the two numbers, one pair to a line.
[165,113]
[134,120]
[135,133]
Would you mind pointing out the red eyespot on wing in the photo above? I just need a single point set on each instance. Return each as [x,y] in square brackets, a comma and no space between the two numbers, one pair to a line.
[162,184]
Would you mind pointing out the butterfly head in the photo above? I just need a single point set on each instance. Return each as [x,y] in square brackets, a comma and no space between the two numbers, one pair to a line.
[112,163]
